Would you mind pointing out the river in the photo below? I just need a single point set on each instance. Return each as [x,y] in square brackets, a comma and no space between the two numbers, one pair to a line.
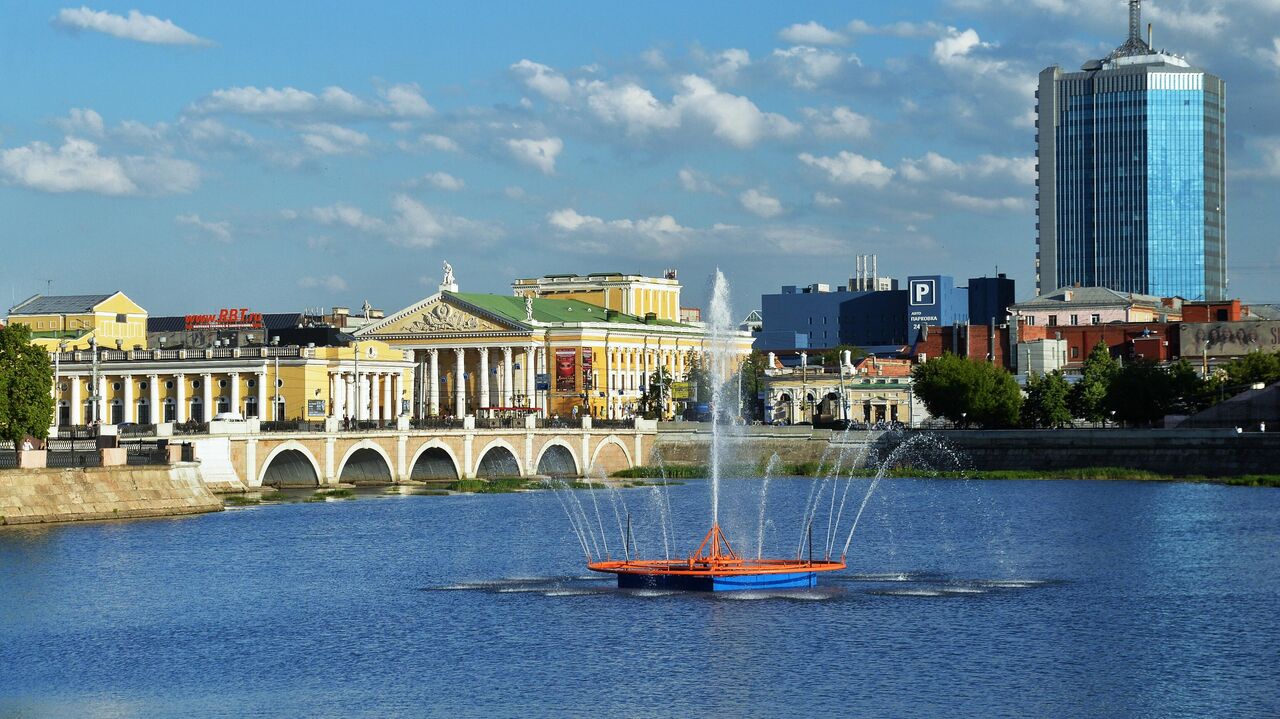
[962,598]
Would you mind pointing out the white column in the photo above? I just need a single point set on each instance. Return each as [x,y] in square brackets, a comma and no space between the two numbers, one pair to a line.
[508,376]
[363,398]
[234,380]
[542,369]
[180,399]
[128,414]
[388,409]
[260,379]
[206,384]
[460,384]
[349,392]
[484,377]
[530,375]
[333,394]
[77,409]
[153,399]
[434,390]
[375,403]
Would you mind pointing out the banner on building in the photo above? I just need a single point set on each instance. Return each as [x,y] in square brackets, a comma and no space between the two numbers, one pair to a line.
[315,408]
[566,368]
[680,390]
[1228,339]
[588,379]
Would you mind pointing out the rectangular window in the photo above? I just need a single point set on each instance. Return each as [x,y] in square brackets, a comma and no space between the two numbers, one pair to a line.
[1075,353]
[1053,320]
[1031,320]
[1095,319]
[1075,319]
[121,319]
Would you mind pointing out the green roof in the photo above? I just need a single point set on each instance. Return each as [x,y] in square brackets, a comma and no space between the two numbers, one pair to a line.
[552,310]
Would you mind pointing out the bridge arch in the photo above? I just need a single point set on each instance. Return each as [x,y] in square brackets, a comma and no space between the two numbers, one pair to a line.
[610,456]
[290,464]
[498,459]
[557,459]
[366,462]
[434,460]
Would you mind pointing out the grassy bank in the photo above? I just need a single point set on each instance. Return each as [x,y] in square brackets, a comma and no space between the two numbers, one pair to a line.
[813,469]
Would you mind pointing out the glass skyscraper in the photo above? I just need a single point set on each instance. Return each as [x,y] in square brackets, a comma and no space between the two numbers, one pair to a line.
[1131,160]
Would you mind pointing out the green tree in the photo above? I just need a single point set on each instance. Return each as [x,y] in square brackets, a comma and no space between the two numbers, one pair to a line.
[1046,402]
[967,391]
[1088,398]
[658,388]
[26,376]
[1254,367]
[752,384]
[1143,392]
[698,375]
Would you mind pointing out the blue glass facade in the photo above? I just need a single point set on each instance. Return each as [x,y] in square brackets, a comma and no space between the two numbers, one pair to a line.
[1130,187]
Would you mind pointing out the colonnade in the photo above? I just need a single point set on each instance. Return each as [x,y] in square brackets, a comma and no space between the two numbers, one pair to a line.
[498,382]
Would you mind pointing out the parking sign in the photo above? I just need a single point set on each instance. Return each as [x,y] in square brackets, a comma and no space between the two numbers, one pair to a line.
[924,292]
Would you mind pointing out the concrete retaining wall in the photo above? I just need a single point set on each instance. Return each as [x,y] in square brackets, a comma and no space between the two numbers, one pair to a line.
[67,495]
[1211,452]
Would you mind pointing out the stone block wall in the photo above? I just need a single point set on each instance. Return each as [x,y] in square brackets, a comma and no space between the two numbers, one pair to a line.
[66,495]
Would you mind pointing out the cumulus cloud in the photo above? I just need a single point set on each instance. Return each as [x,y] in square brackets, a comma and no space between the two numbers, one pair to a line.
[811,33]
[134,26]
[542,79]
[630,106]
[822,199]
[987,204]
[539,154]
[78,166]
[332,283]
[808,67]
[220,231]
[932,167]
[896,29]
[694,181]
[411,224]
[427,142]
[731,118]
[726,64]
[397,101]
[661,230]
[443,181]
[82,121]
[760,204]
[330,139]
[839,123]
[850,168]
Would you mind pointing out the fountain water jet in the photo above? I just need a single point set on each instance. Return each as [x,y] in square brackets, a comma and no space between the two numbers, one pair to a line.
[715,566]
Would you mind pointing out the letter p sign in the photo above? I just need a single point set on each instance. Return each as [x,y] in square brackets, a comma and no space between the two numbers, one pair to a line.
[924,292]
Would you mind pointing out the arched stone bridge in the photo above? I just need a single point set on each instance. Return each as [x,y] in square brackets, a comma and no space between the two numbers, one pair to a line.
[383,456]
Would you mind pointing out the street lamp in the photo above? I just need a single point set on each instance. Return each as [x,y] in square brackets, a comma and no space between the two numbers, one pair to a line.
[964,419]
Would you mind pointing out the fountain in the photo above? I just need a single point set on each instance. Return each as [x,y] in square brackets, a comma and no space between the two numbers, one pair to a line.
[715,566]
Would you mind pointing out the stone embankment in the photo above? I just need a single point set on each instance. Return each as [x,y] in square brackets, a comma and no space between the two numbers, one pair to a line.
[1174,452]
[34,496]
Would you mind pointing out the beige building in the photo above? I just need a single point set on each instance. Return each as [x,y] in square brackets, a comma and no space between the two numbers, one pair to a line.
[553,354]
[874,390]
[634,295]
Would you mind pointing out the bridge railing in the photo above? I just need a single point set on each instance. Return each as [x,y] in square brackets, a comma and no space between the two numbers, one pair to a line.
[290,425]
[436,423]
[613,423]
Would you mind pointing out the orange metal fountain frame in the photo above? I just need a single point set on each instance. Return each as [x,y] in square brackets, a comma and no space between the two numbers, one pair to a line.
[714,558]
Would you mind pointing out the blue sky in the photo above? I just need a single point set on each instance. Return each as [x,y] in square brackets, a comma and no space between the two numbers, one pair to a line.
[289,155]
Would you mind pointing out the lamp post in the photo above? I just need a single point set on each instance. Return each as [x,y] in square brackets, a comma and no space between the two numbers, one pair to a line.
[94,399]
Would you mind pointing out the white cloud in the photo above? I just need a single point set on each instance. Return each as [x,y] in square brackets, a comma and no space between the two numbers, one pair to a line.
[136,26]
[429,142]
[808,67]
[543,80]
[443,181]
[82,121]
[344,215]
[415,225]
[406,100]
[398,101]
[760,204]
[987,204]
[932,167]
[1272,55]
[728,63]
[411,224]
[811,33]
[514,192]
[653,58]
[732,118]
[330,139]
[208,131]
[896,29]
[631,106]
[955,46]
[849,168]
[568,219]
[694,181]
[661,230]
[77,166]
[220,231]
[839,123]
[822,199]
[332,283]
[540,154]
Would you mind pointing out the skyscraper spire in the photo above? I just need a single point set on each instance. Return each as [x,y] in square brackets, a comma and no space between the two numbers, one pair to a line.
[1134,44]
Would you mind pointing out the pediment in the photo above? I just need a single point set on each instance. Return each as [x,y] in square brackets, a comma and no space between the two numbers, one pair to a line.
[436,315]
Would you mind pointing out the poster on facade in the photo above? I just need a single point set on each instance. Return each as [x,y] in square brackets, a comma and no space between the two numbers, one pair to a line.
[680,390]
[1229,339]
[588,379]
[315,407]
[542,382]
[566,367]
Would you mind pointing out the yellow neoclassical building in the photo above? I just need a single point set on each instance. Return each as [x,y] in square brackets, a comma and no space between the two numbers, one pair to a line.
[73,322]
[558,355]
[635,295]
